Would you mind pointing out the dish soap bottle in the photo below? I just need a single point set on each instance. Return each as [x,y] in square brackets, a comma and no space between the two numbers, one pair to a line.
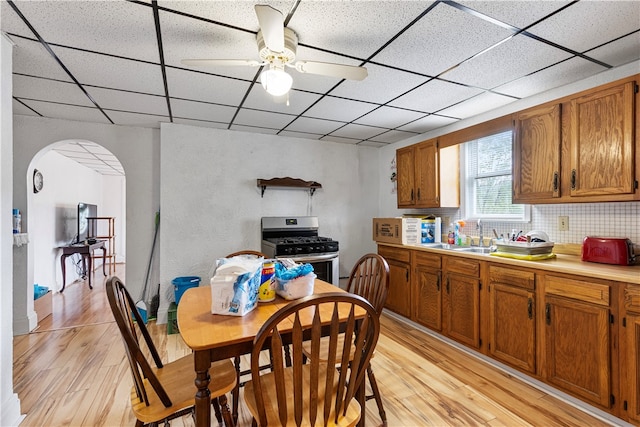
[451,237]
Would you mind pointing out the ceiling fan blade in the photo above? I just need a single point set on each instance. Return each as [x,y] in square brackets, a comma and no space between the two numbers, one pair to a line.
[350,72]
[223,62]
[272,25]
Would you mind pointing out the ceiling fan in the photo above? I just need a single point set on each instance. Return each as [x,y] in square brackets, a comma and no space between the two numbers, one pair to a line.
[277,47]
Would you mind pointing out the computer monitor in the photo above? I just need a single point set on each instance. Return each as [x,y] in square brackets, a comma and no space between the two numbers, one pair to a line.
[86,210]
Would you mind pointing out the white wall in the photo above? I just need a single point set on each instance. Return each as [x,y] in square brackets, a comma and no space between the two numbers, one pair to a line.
[9,402]
[211,205]
[138,150]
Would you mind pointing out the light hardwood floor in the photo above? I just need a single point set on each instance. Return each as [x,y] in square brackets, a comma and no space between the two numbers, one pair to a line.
[72,371]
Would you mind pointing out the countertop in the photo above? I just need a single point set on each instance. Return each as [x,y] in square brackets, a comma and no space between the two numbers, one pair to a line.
[567,264]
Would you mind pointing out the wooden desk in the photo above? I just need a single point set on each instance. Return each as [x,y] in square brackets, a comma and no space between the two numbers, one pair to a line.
[86,251]
[216,337]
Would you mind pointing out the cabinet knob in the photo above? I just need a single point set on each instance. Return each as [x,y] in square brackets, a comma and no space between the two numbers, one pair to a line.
[555,182]
[573,179]
[547,313]
[530,308]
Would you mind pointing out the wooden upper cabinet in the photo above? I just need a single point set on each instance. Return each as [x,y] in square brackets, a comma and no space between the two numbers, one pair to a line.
[422,180]
[602,142]
[536,159]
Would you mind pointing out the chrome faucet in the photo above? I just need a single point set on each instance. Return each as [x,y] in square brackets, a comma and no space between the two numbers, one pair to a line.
[481,233]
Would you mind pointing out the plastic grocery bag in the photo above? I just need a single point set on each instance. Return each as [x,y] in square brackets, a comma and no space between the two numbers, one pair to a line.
[293,280]
[235,284]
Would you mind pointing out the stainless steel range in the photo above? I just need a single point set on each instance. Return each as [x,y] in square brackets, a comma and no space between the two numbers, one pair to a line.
[297,238]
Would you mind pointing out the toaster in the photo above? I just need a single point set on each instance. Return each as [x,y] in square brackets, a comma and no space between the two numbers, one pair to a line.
[608,250]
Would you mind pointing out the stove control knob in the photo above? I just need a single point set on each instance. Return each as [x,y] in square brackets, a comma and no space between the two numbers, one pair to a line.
[298,250]
[320,248]
[288,250]
[309,249]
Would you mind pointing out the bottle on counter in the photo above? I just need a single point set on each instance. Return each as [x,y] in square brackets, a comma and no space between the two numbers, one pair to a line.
[451,237]
[17,222]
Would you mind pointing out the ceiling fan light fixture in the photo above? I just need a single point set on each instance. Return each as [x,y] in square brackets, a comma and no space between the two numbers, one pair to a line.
[276,82]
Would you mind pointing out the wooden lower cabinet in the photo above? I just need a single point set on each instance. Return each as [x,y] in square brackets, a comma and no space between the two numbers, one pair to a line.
[427,291]
[399,294]
[577,338]
[631,353]
[462,300]
[512,318]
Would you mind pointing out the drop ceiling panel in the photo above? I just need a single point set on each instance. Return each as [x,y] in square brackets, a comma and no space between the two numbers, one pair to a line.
[619,52]
[339,109]
[202,111]
[558,75]
[306,135]
[525,56]
[358,131]
[519,14]
[254,129]
[477,105]
[137,119]
[372,144]
[114,73]
[205,87]
[381,85]
[201,123]
[68,112]
[264,119]
[435,96]
[443,38]
[316,126]
[130,31]
[389,117]
[353,28]
[392,136]
[333,138]
[299,101]
[49,90]
[427,124]
[242,14]
[129,101]
[579,26]
[21,109]
[32,59]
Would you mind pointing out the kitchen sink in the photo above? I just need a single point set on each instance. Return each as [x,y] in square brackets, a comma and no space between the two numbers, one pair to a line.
[476,249]
[450,247]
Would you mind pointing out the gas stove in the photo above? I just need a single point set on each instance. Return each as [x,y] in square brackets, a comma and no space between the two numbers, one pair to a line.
[302,245]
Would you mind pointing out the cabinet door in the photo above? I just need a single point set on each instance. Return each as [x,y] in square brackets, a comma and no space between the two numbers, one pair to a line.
[602,157]
[428,298]
[512,326]
[399,295]
[536,159]
[633,367]
[427,174]
[462,307]
[578,355]
[405,166]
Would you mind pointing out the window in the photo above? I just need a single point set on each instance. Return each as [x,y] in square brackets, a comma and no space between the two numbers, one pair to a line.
[488,179]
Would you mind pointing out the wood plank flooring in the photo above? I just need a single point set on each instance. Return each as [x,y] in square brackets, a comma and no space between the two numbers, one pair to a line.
[73,371]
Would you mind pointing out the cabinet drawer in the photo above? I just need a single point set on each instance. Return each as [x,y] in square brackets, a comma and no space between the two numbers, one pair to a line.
[632,299]
[597,293]
[513,277]
[461,265]
[401,255]
[424,259]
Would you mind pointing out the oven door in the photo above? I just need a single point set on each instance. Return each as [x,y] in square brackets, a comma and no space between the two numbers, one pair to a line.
[325,266]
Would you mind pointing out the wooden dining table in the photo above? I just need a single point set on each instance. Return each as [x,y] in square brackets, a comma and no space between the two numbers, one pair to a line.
[215,337]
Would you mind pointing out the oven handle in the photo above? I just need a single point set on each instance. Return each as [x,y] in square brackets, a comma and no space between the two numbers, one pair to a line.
[313,258]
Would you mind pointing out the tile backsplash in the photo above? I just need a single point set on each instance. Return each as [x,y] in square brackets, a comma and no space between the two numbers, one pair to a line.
[620,219]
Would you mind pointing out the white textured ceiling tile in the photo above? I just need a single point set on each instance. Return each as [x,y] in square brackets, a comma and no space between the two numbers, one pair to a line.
[11,22]
[342,26]
[372,144]
[564,73]
[443,38]
[620,52]
[427,124]
[333,138]
[298,101]
[392,136]
[21,109]
[128,101]
[435,96]
[139,120]
[263,118]
[205,87]
[585,25]
[201,123]
[377,86]
[49,90]
[130,31]
[114,73]
[202,111]
[240,14]
[68,112]
[520,14]
[339,109]
[32,58]
[306,135]
[388,117]
[526,56]
[254,129]
[477,105]
[358,131]
[314,125]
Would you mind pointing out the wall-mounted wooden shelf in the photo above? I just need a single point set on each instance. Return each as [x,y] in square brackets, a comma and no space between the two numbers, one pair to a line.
[289,182]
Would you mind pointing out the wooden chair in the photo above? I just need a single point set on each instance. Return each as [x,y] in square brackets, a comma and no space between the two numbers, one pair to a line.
[369,279]
[166,391]
[247,252]
[315,392]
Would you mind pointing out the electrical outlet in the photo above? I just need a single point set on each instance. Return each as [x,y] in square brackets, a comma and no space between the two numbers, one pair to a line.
[563,223]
